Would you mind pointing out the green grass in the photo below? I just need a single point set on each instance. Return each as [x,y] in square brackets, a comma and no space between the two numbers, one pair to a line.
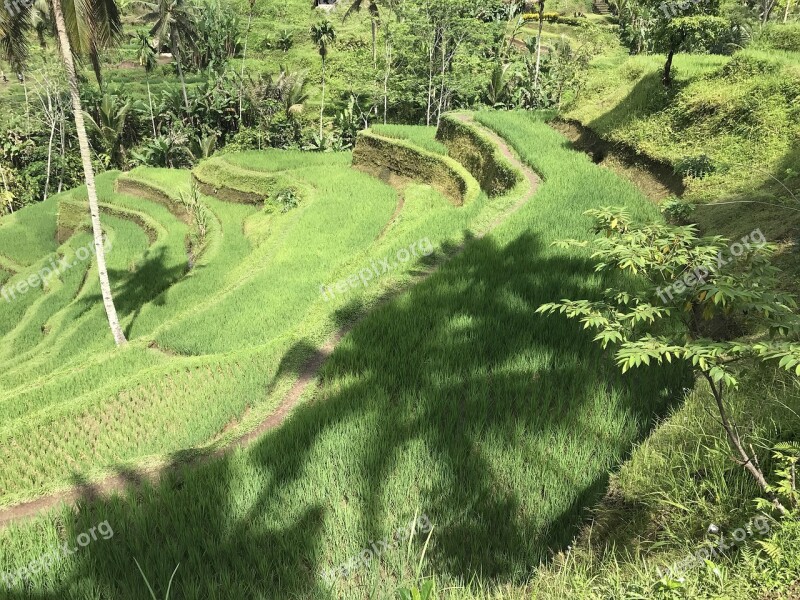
[452,400]
[27,235]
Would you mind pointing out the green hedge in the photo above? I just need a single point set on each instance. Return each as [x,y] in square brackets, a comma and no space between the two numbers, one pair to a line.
[479,155]
[226,181]
[384,156]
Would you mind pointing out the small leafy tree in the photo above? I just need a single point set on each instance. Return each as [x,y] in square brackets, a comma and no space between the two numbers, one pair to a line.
[710,288]
[698,33]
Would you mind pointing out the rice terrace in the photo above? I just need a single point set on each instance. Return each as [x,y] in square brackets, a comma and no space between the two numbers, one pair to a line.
[399,299]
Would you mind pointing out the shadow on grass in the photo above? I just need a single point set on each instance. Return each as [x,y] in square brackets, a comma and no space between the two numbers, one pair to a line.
[454,400]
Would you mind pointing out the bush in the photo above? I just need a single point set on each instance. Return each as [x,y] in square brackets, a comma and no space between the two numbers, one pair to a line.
[676,211]
[695,166]
[744,66]
[782,37]
[287,200]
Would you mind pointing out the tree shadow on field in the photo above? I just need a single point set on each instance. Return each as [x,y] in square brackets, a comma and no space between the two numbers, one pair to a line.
[454,400]
[134,289]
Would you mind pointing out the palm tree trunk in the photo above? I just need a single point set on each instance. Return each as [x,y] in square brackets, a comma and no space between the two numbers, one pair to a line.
[49,154]
[88,170]
[374,42]
[539,44]
[244,57]
[150,100]
[322,106]
[176,56]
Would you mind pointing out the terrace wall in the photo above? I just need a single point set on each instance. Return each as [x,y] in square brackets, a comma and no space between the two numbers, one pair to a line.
[481,157]
[383,157]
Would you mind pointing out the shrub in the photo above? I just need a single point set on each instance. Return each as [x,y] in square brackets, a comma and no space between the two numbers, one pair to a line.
[287,200]
[695,166]
[782,37]
[676,211]
[744,66]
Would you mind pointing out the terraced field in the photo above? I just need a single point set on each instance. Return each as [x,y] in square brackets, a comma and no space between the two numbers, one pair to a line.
[451,399]
[222,298]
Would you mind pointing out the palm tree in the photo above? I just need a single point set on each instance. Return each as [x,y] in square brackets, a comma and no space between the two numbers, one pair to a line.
[75,23]
[110,126]
[175,22]
[375,17]
[292,92]
[324,36]
[147,58]
[72,25]
[539,44]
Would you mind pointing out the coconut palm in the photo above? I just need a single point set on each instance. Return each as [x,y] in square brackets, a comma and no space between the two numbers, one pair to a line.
[174,22]
[324,36]
[375,18]
[73,25]
[147,58]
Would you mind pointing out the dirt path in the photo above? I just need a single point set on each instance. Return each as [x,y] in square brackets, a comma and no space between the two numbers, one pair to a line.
[123,481]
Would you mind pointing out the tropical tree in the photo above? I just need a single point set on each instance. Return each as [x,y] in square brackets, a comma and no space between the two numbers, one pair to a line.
[291,89]
[146,56]
[375,20]
[174,22]
[110,126]
[697,294]
[91,20]
[324,36]
[539,45]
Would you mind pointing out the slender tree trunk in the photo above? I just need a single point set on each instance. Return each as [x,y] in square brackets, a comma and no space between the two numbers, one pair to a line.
[386,76]
[63,148]
[322,103]
[27,104]
[374,43]
[445,62]
[150,101]
[49,152]
[750,463]
[539,45]
[786,12]
[244,56]
[5,187]
[430,78]
[666,79]
[176,56]
[88,170]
